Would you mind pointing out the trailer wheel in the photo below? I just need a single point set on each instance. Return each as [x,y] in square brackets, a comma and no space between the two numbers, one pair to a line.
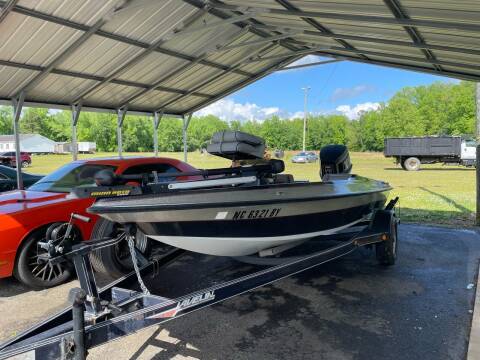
[386,251]
[115,261]
[412,164]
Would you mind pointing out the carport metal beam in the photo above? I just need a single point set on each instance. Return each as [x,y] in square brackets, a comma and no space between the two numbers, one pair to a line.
[244,83]
[17,104]
[7,7]
[187,28]
[157,117]
[310,64]
[121,113]
[314,23]
[75,115]
[393,64]
[397,11]
[175,73]
[126,40]
[477,98]
[186,122]
[356,18]
[95,78]
[214,78]
[377,40]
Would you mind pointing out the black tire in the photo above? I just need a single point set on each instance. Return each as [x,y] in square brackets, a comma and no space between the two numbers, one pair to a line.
[40,276]
[386,251]
[115,261]
[412,164]
[25,164]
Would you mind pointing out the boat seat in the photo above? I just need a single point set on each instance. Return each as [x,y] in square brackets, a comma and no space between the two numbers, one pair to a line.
[236,145]
[283,179]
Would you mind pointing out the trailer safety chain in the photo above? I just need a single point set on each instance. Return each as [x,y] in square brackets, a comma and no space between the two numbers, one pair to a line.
[131,246]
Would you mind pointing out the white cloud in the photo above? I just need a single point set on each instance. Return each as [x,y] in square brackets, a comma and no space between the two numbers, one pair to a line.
[351,92]
[355,111]
[228,109]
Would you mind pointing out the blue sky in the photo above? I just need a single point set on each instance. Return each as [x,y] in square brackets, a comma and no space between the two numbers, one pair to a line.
[344,87]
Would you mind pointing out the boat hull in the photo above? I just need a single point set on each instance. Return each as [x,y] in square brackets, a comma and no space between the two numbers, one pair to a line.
[238,222]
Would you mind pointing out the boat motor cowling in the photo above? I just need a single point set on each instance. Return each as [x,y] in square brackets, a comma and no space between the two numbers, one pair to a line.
[334,159]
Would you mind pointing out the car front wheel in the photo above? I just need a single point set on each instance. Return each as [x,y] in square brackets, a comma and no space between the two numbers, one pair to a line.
[35,274]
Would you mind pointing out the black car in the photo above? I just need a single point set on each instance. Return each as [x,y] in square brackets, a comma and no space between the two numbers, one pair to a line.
[8,178]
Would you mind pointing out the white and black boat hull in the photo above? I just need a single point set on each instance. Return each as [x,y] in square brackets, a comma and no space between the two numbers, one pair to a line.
[244,221]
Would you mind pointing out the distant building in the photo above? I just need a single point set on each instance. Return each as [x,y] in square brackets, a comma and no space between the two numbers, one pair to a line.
[31,143]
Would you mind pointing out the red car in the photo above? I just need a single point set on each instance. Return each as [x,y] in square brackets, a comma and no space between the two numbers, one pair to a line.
[9,159]
[26,216]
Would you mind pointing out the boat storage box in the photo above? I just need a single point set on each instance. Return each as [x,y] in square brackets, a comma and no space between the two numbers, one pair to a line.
[236,145]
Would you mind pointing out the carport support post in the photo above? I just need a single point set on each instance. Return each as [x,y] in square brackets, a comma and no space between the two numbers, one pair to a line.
[186,122]
[75,115]
[478,154]
[157,117]
[120,117]
[17,110]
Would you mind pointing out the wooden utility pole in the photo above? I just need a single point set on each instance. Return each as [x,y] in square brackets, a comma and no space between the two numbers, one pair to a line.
[477,97]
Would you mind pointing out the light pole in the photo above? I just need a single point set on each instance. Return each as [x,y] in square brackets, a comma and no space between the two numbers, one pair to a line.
[305,99]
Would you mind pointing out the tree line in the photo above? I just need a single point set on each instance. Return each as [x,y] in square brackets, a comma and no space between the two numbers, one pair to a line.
[437,109]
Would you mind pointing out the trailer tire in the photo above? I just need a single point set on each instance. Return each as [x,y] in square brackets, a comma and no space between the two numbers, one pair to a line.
[412,164]
[114,261]
[386,251]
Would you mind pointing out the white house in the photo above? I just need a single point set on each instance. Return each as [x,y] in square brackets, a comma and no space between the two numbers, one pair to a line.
[31,143]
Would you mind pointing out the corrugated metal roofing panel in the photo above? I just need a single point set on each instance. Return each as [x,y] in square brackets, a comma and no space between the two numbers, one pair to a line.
[11,79]
[58,89]
[49,48]
[99,56]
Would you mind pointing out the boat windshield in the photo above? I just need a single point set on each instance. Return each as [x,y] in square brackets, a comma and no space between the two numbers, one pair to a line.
[70,176]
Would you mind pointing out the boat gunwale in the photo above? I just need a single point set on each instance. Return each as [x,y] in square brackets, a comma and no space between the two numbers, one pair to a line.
[104,208]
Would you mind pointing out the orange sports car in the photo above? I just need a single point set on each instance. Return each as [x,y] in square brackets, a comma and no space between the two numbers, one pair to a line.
[27,215]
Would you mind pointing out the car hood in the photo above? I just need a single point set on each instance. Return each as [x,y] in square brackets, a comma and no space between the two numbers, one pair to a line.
[18,200]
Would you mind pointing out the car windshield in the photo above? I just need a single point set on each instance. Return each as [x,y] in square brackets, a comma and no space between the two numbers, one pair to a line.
[69,176]
[302,154]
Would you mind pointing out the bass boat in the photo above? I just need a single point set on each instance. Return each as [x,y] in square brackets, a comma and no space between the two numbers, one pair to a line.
[246,209]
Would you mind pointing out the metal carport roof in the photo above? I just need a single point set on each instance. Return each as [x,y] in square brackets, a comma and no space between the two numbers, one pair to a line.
[177,56]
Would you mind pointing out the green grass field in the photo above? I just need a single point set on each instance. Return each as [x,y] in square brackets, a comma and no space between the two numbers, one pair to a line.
[435,194]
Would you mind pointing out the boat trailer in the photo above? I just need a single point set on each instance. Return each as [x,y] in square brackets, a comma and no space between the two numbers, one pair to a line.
[119,309]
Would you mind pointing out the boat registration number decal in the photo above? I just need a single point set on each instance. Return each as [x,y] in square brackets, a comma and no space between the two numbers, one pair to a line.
[256,214]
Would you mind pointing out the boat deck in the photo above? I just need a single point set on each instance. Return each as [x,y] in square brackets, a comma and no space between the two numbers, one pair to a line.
[348,309]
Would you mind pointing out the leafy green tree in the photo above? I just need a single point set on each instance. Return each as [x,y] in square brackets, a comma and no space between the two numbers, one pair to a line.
[6,116]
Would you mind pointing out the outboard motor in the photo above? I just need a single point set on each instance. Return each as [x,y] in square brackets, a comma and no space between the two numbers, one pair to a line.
[334,159]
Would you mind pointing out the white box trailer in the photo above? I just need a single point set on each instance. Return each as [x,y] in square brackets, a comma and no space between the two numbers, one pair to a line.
[87,147]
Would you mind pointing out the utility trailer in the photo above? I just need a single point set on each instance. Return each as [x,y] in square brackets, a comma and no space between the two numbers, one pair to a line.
[410,152]
[126,305]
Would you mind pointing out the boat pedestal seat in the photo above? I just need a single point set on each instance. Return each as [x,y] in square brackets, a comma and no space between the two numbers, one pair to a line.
[283,179]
